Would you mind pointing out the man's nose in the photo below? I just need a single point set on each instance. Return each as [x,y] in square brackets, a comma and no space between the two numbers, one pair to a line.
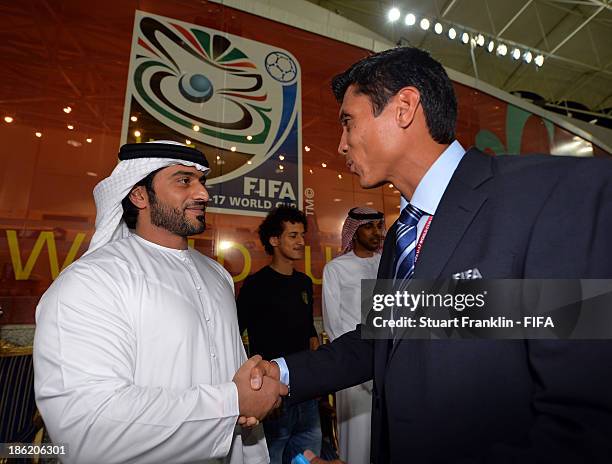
[201,194]
[343,146]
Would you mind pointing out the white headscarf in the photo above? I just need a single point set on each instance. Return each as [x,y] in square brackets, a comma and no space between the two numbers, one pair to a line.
[110,192]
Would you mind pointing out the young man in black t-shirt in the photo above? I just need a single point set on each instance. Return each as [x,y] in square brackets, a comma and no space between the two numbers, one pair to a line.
[275,306]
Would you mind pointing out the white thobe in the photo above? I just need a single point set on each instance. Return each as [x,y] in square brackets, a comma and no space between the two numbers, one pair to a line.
[341,313]
[135,349]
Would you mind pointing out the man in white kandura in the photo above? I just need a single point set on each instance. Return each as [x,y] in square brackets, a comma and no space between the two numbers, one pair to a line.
[362,238]
[137,354]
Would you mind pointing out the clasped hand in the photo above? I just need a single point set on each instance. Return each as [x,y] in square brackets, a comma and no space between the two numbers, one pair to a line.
[259,390]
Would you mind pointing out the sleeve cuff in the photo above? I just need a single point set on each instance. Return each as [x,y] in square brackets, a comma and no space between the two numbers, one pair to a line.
[284,370]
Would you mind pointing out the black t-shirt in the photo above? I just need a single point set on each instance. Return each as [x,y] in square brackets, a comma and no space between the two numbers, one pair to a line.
[276,309]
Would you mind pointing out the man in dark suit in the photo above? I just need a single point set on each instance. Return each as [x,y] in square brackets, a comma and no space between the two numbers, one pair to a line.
[497,401]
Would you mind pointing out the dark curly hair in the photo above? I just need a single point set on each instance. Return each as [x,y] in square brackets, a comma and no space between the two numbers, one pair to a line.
[272,225]
[130,212]
[382,75]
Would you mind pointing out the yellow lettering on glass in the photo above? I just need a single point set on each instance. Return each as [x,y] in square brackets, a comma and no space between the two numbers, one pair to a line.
[308,263]
[23,273]
[246,269]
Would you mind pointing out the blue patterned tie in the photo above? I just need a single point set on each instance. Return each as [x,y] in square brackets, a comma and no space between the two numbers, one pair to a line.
[406,241]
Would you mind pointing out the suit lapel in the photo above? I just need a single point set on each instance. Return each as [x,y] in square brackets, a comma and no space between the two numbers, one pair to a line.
[460,204]
[462,200]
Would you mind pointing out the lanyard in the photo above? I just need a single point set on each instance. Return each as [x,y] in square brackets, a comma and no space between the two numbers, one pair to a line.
[422,238]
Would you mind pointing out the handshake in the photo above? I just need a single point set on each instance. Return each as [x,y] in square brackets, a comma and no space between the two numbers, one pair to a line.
[259,390]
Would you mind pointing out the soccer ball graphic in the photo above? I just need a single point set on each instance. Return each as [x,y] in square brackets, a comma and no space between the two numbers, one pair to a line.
[281,67]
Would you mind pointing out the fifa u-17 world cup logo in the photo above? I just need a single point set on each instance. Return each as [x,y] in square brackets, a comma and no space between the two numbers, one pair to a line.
[236,99]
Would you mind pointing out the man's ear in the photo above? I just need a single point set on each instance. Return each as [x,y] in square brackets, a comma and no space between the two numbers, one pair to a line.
[408,100]
[274,241]
[139,197]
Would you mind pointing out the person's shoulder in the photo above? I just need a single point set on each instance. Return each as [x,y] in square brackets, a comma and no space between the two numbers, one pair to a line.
[340,262]
[297,275]
[100,272]
[547,168]
[258,276]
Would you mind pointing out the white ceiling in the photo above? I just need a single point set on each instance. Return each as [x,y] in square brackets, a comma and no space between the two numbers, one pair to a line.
[574,36]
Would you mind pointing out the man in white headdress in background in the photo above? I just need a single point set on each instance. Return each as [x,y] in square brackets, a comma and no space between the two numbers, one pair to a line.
[137,354]
[362,238]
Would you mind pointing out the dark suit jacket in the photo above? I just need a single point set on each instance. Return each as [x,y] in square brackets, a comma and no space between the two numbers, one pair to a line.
[497,401]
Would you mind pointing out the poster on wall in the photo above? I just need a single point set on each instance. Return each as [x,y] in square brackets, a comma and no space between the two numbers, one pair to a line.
[237,100]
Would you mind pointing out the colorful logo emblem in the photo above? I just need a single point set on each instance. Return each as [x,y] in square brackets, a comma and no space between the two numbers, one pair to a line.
[235,99]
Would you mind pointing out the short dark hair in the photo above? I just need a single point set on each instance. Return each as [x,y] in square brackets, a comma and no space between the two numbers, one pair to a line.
[130,212]
[273,224]
[382,75]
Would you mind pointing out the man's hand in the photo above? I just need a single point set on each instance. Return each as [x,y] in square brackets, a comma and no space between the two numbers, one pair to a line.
[313,459]
[314,343]
[264,369]
[255,404]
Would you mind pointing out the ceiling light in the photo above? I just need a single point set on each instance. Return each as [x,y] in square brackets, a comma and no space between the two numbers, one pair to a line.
[502,49]
[390,186]
[91,174]
[424,24]
[339,176]
[8,119]
[187,142]
[70,127]
[394,14]
[310,170]
[196,128]
[337,199]
[480,40]
[465,37]
[218,157]
[539,60]
[233,148]
[89,140]
[137,133]
[323,165]
[281,157]
[516,53]
[452,33]
[281,167]
[491,46]
[67,109]
[527,56]
[410,19]
[438,28]
[133,118]
[249,137]
[38,134]
[307,148]
[249,162]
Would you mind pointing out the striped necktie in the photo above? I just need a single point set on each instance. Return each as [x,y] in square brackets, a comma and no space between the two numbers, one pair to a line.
[406,241]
